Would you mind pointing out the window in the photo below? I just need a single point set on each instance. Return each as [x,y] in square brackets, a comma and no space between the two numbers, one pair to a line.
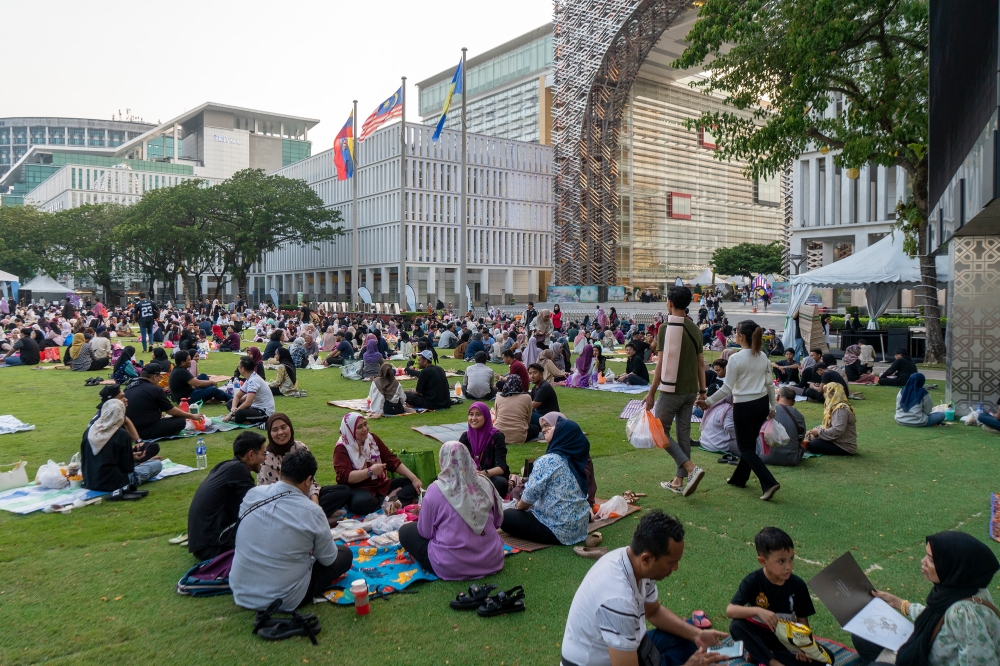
[706,139]
[767,191]
[679,205]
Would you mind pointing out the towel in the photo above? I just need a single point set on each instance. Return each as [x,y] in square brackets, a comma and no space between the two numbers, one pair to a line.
[671,353]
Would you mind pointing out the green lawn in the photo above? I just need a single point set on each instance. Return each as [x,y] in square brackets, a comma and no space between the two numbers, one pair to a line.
[98,585]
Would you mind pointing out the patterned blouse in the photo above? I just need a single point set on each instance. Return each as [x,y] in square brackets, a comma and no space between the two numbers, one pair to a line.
[970,635]
[270,469]
[284,382]
[556,499]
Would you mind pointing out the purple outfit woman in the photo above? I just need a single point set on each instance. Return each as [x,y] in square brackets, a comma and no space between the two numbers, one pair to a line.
[581,378]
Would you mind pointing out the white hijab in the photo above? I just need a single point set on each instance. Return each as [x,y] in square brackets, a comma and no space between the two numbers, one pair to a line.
[471,495]
[111,419]
[360,452]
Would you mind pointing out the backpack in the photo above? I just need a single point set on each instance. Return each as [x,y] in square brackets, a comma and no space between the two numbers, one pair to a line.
[208,578]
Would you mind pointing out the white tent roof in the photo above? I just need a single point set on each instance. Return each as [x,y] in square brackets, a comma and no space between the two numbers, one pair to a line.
[7,277]
[881,263]
[46,285]
[704,278]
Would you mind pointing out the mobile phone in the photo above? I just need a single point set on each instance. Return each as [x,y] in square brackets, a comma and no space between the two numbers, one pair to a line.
[731,651]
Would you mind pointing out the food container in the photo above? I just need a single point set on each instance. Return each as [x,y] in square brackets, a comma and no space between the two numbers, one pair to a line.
[76,481]
[359,589]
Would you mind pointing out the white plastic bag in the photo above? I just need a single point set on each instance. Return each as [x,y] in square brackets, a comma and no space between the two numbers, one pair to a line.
[616,505]
[645,431]
[385,524]
[609,375]
[774,433]
[971,419]
[50,476]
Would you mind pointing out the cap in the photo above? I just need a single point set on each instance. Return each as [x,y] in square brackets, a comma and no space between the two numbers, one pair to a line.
[428,354]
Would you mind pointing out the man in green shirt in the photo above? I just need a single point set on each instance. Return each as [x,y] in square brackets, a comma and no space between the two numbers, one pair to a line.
[689,386]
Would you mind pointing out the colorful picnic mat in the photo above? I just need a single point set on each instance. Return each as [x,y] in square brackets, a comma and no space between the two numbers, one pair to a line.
[612,387]
[361,405]
[215,424]
[842,655]
[29,499]
[451,432]
[9,424]
[995,516]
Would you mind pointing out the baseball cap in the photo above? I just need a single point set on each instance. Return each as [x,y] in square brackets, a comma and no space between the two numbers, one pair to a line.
[428,354]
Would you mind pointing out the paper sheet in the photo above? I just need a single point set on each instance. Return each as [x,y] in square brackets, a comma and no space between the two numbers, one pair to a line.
[879,623]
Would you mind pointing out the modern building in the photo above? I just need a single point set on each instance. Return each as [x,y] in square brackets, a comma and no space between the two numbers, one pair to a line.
[210,142]
[509,224]
[673,202]
[19,134]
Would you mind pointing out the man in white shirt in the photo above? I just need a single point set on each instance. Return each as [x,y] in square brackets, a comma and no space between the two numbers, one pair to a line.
[448,339]
[284,549]
[607,620]
[253,402]
[478,382]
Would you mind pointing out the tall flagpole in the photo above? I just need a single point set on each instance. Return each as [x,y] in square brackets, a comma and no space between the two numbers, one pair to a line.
[463,241]
[355,282]
[402,201]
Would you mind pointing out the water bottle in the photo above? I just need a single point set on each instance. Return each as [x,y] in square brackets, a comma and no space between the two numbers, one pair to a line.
[980,408]
[201,456]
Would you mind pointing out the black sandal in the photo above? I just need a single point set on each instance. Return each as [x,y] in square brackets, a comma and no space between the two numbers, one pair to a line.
[474,599]
[276,629]
[123,495]
[511,601]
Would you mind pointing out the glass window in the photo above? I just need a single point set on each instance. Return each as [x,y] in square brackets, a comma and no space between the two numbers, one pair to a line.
[767,191]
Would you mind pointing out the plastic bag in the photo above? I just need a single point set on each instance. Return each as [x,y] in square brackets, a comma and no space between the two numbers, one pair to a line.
[51,476]
[351,370]
[774,433]
[795,636]
[971,419]
[609,376]
[613,508]
[385,524]
[645,430]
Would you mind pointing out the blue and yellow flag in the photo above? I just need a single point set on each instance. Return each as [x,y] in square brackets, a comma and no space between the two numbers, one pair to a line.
[455,87]
[343,150]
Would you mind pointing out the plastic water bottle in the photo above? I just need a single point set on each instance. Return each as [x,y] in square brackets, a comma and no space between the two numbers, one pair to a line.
[980,408]
[201,455]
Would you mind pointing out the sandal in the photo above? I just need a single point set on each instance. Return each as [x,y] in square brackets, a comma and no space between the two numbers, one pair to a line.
[593,540]
[474,599]
[594,553]
[700,620]
[511,601]
[123,495]
[182,538]
[275,629]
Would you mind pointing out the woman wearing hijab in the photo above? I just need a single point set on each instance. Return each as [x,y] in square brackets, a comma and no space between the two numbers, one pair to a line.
[960,623]
[513,412]
[309,342]
[455,537]
[914,405]
[608,342]
[386,395]
[579,342]
[124,369]
[330,339]
[474,347]
[372,359]
[601,318]
[362,461]
[531,351]
[280,442]
[160,357]
[559,359]
[553,508]
[585,368]
[838,436]
[463,344]
[542,323]
[488,447]
[286,383]
[107,458]
[74,347]
[298,351]
[254,353]
[852,363]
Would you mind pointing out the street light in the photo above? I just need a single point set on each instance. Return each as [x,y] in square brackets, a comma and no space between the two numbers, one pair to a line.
[798,260]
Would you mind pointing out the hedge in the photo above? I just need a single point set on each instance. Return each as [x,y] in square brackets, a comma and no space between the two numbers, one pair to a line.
[837,322]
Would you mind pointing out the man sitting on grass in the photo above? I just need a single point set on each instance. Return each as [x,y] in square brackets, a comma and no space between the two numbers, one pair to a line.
[607,620]
[216,503]
[786,371]
[900,370]
[147,403]
[284,549]
[344,351]
[432,390]
[185,385]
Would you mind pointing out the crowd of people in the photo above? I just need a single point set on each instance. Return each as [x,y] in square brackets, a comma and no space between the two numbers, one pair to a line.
[283,516]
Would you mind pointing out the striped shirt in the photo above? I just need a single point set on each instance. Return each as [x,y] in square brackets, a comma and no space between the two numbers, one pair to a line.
[276,545]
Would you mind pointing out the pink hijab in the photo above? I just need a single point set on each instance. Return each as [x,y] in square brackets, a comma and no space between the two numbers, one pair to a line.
[480,438]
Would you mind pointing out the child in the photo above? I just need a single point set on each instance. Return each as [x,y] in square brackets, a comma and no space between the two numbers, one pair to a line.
[768,595]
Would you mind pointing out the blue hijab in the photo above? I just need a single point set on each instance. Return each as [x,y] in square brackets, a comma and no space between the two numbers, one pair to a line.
[913,392]
[569,442]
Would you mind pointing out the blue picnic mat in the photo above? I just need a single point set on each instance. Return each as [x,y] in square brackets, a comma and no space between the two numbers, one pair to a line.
[842,655]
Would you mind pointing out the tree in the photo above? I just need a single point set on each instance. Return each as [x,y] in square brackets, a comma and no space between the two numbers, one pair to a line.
[799,57]
[747,259]
[89,239]
[27,238]
[252,214]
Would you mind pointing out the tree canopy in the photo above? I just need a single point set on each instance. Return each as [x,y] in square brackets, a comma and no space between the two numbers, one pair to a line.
[748,259]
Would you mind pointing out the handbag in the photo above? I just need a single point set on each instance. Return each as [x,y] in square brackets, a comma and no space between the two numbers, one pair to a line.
[422,463]
[15,477]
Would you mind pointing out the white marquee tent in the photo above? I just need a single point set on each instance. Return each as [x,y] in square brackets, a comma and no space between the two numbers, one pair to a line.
[42,286]
[9,285]
[881,270]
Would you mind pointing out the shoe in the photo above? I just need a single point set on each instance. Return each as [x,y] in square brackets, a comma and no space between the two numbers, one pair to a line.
[179,539]
[591,553]
[769,493]
[593,540]
[666,485]
[696,443]
[737,485]
[697,474]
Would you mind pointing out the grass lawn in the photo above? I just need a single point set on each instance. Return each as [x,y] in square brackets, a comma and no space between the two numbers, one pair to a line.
[97,586]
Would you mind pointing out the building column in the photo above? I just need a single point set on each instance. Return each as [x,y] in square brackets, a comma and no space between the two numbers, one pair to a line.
[831,192]
[384,287]
[532,284]
[484,283]
[813,203]
[432,294]
[329,284]
[508,284]
[204,284]
[880,208]
[370,280]
[341,291]
[401,284]
[864,194]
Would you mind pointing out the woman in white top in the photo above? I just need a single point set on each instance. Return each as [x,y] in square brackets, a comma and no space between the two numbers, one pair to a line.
[748,380]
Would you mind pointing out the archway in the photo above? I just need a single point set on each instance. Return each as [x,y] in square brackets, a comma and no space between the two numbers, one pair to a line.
[599,47]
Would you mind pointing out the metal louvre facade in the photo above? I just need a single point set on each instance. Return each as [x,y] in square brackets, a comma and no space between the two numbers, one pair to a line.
[599,48]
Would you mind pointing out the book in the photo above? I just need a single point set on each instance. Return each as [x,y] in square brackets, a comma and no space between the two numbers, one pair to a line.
[847,593]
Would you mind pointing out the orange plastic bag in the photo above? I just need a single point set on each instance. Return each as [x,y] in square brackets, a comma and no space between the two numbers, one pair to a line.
[645,430]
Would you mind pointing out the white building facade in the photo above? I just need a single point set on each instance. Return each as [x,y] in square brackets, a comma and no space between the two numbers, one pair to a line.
[510,221]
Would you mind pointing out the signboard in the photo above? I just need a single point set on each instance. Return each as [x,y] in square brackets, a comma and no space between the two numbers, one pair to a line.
[274,296]
[588,294]
[616,293]
[780,292]
[411,299]
[562,294]
[365,295]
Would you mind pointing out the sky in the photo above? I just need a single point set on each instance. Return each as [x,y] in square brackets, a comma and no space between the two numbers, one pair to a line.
[307,58]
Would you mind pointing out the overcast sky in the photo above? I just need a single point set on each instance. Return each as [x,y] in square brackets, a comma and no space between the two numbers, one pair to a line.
[301,57]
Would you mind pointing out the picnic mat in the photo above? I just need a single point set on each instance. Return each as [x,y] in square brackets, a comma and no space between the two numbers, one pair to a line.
[451,431]
[633,406]
[406,378]
[31,498]
[361,405]
[215,424]
[807,454]
[9,424]
[532,546]
[995,516]
[842,655]
[613,387]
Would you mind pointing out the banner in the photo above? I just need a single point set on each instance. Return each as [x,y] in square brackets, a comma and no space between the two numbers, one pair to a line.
[588,294]
[562,294]
[616,293]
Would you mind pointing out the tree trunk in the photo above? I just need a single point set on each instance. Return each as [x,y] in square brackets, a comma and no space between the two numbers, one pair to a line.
[242,281]
[927,298]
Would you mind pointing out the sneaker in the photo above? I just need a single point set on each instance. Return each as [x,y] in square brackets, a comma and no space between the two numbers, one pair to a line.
[667,485]
[693,480]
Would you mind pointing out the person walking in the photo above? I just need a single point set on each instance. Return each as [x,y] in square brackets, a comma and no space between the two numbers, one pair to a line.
[679,379]
[748,380]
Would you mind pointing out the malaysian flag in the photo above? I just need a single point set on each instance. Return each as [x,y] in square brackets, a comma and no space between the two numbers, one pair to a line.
[386,111]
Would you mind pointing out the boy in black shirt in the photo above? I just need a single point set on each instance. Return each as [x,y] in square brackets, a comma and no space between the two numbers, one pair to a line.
[769,595]
[543,396]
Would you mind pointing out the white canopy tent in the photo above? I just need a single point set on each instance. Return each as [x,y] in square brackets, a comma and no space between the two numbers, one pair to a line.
[881,270]
[9,285]
[42,286]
